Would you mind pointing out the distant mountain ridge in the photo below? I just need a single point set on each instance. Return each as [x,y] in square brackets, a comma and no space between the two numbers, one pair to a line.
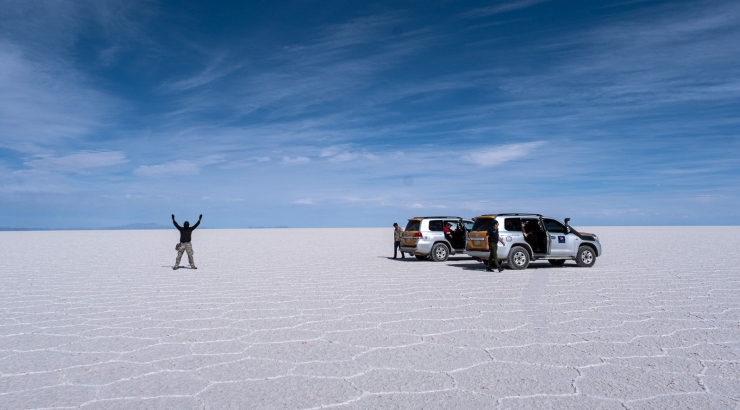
[127,227]
[135,226]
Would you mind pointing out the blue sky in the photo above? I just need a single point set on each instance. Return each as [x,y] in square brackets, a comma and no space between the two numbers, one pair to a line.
[315,113]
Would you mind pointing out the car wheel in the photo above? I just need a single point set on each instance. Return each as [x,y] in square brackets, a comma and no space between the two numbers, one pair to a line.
[440,253]
[421,257]
[557,262]
[518,258]
[586,257]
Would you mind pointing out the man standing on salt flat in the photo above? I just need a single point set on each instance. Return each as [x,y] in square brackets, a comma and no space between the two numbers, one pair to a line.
[397,232]
[185,245]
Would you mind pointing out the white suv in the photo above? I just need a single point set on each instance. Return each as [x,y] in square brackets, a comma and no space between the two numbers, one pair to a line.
[425,237]
[546,238]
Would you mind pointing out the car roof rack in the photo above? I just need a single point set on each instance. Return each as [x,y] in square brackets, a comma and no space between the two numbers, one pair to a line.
[518,214]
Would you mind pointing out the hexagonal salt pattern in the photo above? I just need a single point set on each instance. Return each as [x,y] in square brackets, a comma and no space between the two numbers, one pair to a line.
[322,318]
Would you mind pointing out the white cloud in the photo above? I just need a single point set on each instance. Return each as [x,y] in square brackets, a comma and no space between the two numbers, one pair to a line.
[328,152]
[343,157]
[168,169]
[44,101]
[420,206]
[212,72]
[296,160]
[338,154]
[78,162]
[502,7]
[262,159]
[304,202]
[504,153]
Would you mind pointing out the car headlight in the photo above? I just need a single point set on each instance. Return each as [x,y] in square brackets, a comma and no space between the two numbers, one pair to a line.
[596,238]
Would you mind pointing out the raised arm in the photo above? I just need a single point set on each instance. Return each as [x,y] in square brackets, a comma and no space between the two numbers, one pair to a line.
[175,222]
[198,223]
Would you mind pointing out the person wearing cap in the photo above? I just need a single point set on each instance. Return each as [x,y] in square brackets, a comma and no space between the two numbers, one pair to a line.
[492,240]
[397,231]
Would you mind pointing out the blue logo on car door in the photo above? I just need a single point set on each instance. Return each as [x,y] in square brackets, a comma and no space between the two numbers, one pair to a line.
[561,239]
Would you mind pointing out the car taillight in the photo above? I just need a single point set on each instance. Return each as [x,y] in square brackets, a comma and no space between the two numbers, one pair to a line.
[417,235]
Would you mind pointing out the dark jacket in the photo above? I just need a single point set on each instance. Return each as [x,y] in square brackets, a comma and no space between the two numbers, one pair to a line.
[185,231]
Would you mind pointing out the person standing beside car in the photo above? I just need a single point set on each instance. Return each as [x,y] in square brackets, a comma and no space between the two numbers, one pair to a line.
[492,240]
[397,231]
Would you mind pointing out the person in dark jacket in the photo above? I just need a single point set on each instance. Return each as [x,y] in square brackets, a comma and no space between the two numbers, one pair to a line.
[492,240]
[185,245]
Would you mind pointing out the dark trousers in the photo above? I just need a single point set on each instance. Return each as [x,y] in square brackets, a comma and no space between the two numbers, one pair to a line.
[396,248]
[493,259]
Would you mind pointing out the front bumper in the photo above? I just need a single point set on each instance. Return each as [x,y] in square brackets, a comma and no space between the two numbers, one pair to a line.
[598,247]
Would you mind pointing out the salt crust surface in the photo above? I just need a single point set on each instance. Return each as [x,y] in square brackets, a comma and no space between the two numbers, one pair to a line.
[316,318]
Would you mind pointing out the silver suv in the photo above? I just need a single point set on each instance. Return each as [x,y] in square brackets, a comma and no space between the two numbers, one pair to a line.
[426,237]
[531,237]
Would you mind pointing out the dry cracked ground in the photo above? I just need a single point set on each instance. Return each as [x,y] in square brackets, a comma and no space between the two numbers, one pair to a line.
[321,318]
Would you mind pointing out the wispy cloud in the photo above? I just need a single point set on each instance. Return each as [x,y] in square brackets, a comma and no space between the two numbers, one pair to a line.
[295,160]
[78,162]
[174,168]
[418,205]
[340,154]
[501,7]
[44,102]
[306,201]
[215,70]
[493,156]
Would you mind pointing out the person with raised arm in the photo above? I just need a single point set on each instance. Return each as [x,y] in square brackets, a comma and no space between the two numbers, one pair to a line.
[184,245]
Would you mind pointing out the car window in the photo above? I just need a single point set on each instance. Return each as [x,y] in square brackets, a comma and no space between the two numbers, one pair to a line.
[554,226]
[435,225]
[513,224]
[413,225]
[453,224]
[481,224]
[468,226]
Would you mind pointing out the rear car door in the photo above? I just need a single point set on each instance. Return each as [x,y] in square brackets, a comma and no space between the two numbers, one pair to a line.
[561,242]
[411,234]
[477,234]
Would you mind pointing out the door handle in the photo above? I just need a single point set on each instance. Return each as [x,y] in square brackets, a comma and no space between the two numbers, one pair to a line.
[552,237]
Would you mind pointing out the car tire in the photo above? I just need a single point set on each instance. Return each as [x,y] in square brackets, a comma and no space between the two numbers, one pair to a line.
[421,257]
[557,262]
[440,252]
[518,258]
[586,257]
